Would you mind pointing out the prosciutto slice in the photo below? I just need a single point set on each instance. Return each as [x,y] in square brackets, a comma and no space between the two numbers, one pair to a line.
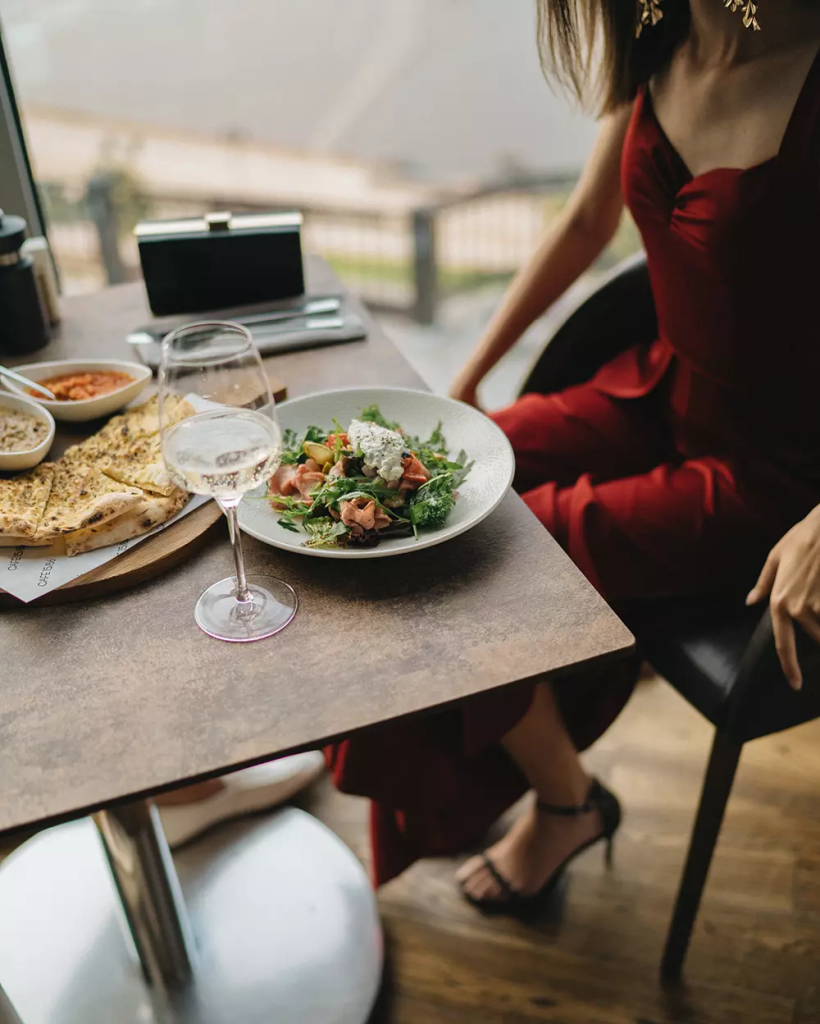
[296,481]
[364,514]
[307,478]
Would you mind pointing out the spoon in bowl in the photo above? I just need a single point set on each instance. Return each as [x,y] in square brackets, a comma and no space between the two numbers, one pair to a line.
[20,379]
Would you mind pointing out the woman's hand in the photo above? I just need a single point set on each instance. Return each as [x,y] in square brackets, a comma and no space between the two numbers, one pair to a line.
[465,389]
[791,576]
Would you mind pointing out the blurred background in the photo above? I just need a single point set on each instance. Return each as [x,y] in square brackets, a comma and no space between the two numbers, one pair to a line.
[418,138]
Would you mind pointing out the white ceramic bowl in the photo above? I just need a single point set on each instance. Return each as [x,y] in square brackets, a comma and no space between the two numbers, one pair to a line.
[89,408]
[418,412]
[11,461]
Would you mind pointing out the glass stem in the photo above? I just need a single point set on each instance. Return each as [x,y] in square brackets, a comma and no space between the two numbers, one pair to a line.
[242,593]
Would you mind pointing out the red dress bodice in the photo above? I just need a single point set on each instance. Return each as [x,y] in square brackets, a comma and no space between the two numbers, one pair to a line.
[734,260]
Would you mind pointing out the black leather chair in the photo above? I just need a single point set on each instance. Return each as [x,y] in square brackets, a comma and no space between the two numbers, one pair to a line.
[716,652]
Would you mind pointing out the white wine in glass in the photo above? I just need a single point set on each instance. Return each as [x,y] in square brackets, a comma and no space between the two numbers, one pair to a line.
[230,445]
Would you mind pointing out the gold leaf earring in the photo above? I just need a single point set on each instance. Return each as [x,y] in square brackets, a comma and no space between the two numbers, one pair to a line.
[650,13]
[749,12]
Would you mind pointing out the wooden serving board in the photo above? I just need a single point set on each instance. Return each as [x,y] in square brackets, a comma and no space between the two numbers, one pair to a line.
[151,557]
[148,559]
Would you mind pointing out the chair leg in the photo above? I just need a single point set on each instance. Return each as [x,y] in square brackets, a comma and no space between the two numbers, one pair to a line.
[714,796]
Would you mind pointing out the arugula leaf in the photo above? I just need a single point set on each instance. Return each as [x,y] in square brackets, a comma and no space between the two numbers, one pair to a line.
[461,469]
[434,462]
[437,442]
[336,489]
[289,510]
[324,532]
[430,451]
[291,449]
[316,434]
[372,414]
[288,503]
[338,430]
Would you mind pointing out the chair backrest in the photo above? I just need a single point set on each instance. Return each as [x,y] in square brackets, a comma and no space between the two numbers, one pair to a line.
[761,701]
[618,314]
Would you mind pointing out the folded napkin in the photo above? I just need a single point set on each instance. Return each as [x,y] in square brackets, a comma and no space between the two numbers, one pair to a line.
[307,330]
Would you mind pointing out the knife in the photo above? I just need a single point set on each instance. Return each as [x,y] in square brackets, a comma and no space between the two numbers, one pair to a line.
[312,307]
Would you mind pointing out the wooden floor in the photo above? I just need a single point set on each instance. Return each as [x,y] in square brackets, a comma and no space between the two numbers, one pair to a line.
[755,955]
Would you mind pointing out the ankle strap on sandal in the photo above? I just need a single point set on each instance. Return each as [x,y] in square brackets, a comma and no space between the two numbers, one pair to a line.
[570,811]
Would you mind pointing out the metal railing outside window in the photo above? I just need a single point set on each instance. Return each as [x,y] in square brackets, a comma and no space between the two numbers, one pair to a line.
[405,247]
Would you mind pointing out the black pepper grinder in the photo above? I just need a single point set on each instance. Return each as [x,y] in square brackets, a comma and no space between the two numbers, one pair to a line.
[23,325]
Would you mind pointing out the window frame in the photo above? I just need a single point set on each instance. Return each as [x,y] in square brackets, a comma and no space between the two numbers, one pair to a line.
[18,190]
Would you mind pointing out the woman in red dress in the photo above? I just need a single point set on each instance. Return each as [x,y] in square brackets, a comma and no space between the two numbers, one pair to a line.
[673,471]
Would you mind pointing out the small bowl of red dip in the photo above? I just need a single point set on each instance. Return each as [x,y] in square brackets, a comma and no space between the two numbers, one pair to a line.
[83,389]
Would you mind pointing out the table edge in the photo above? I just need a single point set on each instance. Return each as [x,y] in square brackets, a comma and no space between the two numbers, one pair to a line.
[32,827]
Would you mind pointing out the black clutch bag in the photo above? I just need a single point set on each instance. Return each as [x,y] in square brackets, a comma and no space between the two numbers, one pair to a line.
[220,261]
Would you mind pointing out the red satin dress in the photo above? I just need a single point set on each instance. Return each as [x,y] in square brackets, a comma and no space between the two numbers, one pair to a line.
[673,471]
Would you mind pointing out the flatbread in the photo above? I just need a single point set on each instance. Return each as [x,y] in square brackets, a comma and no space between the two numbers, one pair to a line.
[128,448]
[23,500]
[82,496]
[8,541]
[142,422]
[103,447]
[152,511]
[138,464]
[117,471]
[142,466]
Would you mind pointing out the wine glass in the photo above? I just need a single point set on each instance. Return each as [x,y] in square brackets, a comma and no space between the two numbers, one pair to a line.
[231,444]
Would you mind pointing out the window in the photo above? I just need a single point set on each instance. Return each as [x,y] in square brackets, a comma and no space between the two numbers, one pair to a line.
[418,137]
[17,192]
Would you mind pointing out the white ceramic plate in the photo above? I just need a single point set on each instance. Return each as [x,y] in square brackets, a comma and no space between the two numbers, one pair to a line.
[12,461]
[418,412]
[90,408]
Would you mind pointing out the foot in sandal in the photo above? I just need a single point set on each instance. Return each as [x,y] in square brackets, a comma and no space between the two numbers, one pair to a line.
[524,865]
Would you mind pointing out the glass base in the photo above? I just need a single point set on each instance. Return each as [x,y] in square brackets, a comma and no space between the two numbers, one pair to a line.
[272,606]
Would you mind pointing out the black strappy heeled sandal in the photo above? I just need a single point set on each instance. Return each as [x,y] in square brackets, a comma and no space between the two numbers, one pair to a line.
[516,904]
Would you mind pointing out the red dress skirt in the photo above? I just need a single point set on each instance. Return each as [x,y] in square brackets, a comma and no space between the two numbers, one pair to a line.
[672,472]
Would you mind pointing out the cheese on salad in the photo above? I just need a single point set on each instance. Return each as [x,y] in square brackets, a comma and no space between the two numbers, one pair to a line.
[381,449]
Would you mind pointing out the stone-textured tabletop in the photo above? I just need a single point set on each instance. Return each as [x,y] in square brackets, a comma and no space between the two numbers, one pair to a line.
[123,696]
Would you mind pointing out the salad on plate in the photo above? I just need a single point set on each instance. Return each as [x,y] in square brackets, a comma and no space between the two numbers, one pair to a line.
[358,484]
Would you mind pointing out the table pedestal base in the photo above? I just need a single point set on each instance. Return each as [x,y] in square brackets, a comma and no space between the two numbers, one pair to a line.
[284,925]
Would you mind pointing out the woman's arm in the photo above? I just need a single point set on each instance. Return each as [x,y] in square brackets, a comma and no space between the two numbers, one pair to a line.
[582,231]
[791,576]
